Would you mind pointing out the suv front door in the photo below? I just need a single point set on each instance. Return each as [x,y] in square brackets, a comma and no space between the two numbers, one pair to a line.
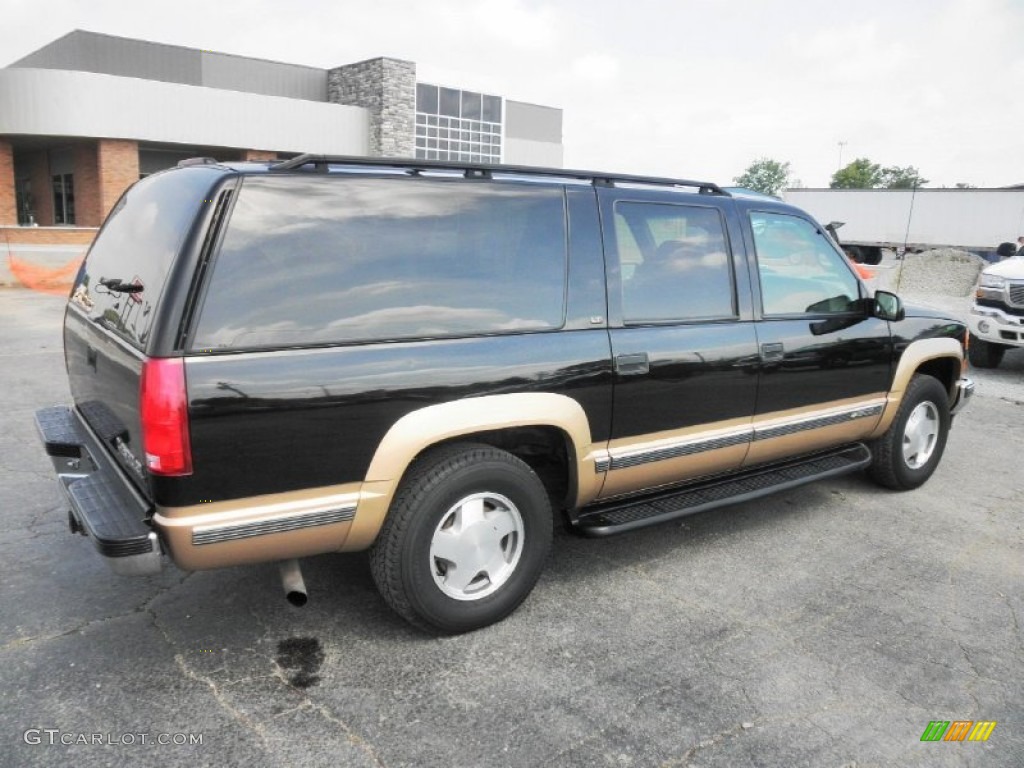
[825,362]
[682,335]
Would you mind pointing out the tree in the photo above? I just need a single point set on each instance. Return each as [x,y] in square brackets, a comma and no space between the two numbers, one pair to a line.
[895,177]
[860,174]
[765,175]
[863,174]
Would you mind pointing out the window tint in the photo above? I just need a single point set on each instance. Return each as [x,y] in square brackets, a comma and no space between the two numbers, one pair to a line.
[492,108]
[471,105]
[801,272]
[450,102]
[137,245]
[426,98]
[674,261]
[326,260]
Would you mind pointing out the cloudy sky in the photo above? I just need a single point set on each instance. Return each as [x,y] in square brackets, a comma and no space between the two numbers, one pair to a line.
[695,88]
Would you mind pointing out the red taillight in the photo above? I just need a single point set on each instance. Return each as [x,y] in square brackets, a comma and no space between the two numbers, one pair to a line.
[164,414]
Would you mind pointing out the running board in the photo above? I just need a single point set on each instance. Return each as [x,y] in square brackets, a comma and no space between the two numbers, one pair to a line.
[621,516]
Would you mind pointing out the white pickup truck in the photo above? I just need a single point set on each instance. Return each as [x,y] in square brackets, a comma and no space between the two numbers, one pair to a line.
[996,319]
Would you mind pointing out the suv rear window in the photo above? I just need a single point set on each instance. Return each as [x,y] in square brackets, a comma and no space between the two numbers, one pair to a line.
[137,246]
[334,260]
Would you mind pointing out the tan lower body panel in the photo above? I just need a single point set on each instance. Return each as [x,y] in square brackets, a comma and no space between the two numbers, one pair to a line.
[648,462]
[653,460]
[277,526]
[802,430]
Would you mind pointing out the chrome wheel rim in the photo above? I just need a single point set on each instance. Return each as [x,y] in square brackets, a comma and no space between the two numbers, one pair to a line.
[476,546]
[920,435]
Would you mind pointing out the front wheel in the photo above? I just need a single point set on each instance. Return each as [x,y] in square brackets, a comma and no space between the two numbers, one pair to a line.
[984,354]
[908,453]
[465,540]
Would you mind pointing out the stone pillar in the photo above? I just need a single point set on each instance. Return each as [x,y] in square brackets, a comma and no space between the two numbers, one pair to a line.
[387,89]
[8,199]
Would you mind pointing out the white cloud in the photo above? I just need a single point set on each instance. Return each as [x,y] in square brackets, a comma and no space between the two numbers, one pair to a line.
[595,68]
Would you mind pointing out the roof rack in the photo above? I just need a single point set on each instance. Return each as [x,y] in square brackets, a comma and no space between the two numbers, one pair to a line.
[322,164]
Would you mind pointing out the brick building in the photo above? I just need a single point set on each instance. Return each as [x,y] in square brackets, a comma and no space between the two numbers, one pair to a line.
[88,114]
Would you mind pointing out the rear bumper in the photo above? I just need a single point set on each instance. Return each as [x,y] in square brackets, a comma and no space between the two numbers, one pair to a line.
[964,392]
[102,502]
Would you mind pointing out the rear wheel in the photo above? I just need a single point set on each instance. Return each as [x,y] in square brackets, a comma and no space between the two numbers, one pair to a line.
[465,540]
[908,453]
[984,354]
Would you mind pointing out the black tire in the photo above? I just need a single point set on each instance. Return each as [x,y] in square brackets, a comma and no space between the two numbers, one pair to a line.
[890,465]
[984,354]
[872,255]
[413,580]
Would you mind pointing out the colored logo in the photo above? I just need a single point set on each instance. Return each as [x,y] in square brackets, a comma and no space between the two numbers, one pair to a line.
[958,730]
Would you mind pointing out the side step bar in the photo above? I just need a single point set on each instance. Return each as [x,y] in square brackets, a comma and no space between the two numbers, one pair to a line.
[618,517]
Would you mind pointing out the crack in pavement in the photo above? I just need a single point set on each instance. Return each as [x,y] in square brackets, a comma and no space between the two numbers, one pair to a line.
[705,744]
[83,626]
[306,703]
[233,712]
[1016,620]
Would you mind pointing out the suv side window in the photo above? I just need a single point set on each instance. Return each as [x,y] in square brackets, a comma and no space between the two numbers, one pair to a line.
[335,260]
[674,261]
[801,272]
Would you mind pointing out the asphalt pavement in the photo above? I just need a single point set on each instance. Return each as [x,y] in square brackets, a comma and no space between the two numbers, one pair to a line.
[824,627]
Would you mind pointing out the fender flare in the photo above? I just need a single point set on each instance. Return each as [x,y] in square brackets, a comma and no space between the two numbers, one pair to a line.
[914,356]
[417,431]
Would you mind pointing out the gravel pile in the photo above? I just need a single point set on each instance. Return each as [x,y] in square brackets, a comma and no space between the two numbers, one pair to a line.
[944,271]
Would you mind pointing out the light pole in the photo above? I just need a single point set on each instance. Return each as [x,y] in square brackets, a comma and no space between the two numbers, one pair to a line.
[841,145]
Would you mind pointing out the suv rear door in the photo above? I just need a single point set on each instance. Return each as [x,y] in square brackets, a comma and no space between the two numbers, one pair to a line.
[115,306]
[683,341]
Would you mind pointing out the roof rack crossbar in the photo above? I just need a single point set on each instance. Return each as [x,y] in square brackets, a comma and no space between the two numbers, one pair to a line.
[485,170]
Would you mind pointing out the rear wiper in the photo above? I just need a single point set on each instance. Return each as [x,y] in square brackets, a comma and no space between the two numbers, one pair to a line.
[120,286]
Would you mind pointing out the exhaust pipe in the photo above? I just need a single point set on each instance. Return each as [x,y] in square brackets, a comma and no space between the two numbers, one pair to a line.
[294,586]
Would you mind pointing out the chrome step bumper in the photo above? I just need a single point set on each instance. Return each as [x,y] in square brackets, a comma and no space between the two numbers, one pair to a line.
[102,502]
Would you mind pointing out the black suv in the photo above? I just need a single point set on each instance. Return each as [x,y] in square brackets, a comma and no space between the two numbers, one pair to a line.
[432,361]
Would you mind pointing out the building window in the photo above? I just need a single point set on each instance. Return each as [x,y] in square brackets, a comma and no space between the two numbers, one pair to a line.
[63,199]
[462,126]
[24,202]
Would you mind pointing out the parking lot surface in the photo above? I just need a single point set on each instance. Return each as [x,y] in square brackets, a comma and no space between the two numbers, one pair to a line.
[826,626]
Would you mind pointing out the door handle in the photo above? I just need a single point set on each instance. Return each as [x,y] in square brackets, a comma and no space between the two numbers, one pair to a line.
[632,364]
[772,352]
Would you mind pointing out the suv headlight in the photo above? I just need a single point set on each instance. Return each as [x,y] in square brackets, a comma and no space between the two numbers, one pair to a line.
[991,281]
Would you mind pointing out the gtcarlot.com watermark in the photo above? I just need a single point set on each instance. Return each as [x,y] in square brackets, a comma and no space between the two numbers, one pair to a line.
[54,736]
